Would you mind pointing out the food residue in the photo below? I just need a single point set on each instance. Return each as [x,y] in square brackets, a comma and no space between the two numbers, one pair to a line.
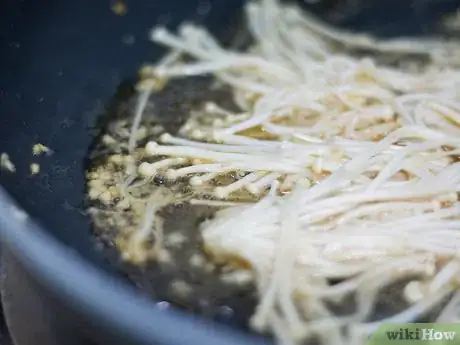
[34,169]
[38,149]
[6,164]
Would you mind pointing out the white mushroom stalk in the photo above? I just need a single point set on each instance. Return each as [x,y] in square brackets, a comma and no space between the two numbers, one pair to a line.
[353,170]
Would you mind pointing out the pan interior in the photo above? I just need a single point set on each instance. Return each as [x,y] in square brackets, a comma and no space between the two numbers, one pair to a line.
[178,281]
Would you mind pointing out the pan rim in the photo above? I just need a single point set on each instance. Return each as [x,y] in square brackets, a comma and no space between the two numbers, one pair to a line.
[93,291]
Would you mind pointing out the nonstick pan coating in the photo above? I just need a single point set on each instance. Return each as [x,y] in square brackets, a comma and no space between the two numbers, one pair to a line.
[61,62]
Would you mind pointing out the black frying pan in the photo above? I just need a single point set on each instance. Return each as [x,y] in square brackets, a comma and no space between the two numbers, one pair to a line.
[61,63]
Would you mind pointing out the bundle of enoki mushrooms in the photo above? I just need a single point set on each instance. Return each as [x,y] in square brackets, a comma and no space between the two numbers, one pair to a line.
[349,170]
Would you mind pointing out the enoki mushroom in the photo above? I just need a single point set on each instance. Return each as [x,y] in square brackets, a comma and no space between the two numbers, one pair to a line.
[352,169]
